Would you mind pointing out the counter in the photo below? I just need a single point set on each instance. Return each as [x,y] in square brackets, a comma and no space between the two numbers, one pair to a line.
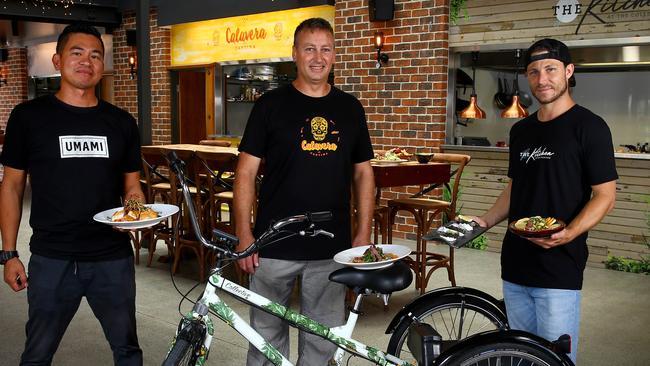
[621,231]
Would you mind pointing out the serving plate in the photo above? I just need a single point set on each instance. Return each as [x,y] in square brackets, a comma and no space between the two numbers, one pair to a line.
[536,234]
[345,257]
[470,230]
[163,210]
[387,162]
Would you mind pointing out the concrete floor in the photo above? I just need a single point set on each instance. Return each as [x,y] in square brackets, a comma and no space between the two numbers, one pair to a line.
[614,329]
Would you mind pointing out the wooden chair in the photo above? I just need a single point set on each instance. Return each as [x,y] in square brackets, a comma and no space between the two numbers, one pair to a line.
[425,210]
[156,181]
[213,168]
[222,143]
[156,188]
[184,237]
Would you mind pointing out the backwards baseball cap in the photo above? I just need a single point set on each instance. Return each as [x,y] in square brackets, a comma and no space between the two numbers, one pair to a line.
[549,48]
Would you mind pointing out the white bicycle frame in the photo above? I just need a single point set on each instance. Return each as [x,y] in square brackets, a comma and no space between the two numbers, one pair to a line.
[338,335]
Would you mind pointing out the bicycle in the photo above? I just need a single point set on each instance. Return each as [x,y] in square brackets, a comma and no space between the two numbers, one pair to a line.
[191,344]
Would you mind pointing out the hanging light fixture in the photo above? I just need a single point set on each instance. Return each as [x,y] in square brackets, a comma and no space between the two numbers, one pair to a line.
[515,110]
[473,111]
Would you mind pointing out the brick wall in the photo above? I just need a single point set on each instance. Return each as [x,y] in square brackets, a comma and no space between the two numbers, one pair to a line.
[15,91]
[126,89]
[405,100]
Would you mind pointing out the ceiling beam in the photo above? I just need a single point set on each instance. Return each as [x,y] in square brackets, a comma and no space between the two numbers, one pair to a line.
[106,15]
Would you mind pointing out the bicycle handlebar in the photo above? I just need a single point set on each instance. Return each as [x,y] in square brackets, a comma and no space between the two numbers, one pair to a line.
[177,166]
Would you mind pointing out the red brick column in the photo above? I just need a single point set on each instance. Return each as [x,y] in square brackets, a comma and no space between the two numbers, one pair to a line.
[15,91]
[126,90]
[405,100]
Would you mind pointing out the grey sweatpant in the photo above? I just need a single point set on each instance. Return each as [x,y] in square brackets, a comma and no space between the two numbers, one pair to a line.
[320,299]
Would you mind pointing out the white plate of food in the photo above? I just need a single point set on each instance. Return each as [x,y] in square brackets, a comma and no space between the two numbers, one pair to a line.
[387,161]
[136,216]
[354,257]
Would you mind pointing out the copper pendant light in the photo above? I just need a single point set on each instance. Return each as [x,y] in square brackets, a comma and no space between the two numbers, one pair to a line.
[515,110]
[473,111]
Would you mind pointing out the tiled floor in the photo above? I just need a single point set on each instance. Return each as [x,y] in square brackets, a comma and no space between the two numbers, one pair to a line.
[614,325]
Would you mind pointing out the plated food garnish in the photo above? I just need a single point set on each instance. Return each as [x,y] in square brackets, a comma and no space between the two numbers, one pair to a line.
[449,232]
[394,154]
[373,254]
[537,223]
[134,211]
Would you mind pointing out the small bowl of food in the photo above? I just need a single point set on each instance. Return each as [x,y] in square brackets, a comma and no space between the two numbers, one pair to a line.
[424,158]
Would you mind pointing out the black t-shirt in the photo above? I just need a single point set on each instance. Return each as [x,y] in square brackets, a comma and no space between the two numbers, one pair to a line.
[76,159]
[309,146]
[553,165]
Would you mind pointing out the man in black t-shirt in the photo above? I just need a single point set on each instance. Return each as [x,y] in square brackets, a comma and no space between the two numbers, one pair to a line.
[315,142]
[82,156]
[561,165]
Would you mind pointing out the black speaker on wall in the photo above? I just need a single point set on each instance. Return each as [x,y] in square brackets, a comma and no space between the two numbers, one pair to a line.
[131,39]
[4,54]
[381,9]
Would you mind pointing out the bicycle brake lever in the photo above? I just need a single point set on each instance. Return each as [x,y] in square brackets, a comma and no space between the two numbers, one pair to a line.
[315,233]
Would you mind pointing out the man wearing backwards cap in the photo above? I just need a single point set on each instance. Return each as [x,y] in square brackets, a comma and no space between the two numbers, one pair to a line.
[562,166]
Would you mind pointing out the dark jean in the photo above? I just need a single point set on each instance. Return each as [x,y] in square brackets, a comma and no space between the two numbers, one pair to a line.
[54,294]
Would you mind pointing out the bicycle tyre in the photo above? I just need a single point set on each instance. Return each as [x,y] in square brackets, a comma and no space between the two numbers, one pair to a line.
[444,313]
[182,354]
[187,346]
[503,353]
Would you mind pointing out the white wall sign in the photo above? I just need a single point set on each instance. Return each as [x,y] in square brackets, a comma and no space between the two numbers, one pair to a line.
[567,10]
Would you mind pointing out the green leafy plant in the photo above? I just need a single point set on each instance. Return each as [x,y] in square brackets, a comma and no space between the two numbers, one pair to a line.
[455,8]
[641,265]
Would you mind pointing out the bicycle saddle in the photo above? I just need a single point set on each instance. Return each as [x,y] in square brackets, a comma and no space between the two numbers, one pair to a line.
[384,280]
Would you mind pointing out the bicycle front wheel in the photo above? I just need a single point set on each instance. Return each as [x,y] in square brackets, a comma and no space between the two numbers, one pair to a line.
[504,353]
[182,354]
[188,345]
[455,316]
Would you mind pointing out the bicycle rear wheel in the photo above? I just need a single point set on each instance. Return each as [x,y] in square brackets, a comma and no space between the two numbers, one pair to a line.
[505,354]
[455,316]
[188,344]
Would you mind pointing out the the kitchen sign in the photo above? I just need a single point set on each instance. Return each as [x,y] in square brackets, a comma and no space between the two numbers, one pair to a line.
[606,12]
[257,36]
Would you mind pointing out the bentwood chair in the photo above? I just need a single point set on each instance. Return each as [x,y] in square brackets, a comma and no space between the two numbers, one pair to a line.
[184,237]
[156,181]
[214,166]
[156,189]
[425,209]
[215,169]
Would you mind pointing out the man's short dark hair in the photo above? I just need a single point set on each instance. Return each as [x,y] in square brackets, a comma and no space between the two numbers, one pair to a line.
[312,24]
[77,28]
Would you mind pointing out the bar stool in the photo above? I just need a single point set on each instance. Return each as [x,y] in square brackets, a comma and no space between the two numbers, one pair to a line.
[425,210]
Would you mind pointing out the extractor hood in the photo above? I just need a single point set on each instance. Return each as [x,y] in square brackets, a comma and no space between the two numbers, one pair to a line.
[609,58]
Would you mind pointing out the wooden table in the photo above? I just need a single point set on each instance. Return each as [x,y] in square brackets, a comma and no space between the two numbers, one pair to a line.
[196,147]
[409,174]
[403,174]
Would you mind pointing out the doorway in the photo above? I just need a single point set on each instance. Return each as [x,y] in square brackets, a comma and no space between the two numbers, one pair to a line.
[192,104]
